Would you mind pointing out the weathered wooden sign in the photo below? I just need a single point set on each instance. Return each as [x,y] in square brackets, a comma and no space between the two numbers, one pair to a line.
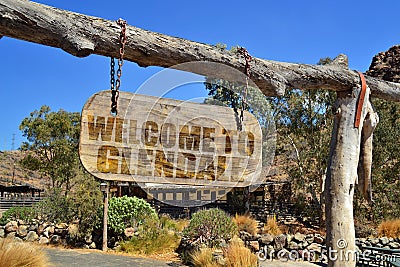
[159,140]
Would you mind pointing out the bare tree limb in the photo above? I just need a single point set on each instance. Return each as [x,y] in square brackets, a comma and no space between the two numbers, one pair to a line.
[82,35]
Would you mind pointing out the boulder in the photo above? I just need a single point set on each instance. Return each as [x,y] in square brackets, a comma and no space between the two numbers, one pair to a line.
[41,228]
[266,239]
[22,230]
[31,236]
[384,240]
[2,233]
[394,245]
[61,226]
[318,239]
[299,237]
[374,241]
[280,242]
[315,248]
[11,226]
[92,245]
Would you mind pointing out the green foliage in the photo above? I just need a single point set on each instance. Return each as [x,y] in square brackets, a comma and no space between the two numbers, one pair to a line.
[17,213]
[53,142]
[82,204]
[154,237]
[56,207]
[211,227]
[385,167]
[126,212]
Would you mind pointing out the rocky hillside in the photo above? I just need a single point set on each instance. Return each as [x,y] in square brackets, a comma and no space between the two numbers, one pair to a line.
[386,65]
[9,164]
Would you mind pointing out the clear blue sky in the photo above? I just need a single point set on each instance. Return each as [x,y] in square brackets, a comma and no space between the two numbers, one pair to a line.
[286,30]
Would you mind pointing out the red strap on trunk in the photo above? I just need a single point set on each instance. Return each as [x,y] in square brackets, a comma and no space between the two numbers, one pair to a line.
[360,100]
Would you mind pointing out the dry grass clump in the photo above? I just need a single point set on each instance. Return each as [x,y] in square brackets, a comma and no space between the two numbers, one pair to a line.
[271,226]
[203,258]
[13,253]
[389,228]
[237,255]
[246,223]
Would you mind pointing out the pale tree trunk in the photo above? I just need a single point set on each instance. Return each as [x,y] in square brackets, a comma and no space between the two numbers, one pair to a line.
[342,176]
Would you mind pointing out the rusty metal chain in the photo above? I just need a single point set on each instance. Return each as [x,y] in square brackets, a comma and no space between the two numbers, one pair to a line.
[243,51]
[115,84]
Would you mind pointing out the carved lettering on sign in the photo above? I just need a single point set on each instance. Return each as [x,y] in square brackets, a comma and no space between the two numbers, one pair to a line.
[168,141]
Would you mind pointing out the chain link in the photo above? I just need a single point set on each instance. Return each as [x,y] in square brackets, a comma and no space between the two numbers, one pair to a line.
[247,58]
[115,84]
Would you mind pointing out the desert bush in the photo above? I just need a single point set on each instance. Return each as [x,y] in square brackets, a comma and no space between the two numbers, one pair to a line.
[246,223]
[389,228]
[152,237]
[17,213]
[237,255]
[14,253]
[271,226]
[126,212]
[210,227]
[56,207]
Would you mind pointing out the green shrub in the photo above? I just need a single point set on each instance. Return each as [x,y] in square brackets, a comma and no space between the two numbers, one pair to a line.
[56,207]
[211,227]
[126,212]
[17,213]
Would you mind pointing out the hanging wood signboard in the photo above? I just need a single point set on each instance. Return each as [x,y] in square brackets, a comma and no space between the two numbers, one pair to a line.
[159,140]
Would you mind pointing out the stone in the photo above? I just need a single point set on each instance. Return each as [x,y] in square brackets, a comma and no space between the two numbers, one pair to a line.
[46,233]
[44,240]
[266,239]
[283,255]
[299,237]
[61,226]
[88,239]
[41,228]
[31,236]
[292,245]
[280,242]
[92,245]
[254,246]
[55,240]
[394,245]
[22,230]
[373,240]
[315,247]
[2,233]
[33,227]
[310,238]
[50,229]
[318,239]
[11,226]
[129,232]
[384,240]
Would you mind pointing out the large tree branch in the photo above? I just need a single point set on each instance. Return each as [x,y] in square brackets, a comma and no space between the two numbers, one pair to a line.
[82,35]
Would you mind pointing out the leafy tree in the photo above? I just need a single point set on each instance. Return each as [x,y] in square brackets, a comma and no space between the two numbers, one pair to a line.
[303,120]
[52,140]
